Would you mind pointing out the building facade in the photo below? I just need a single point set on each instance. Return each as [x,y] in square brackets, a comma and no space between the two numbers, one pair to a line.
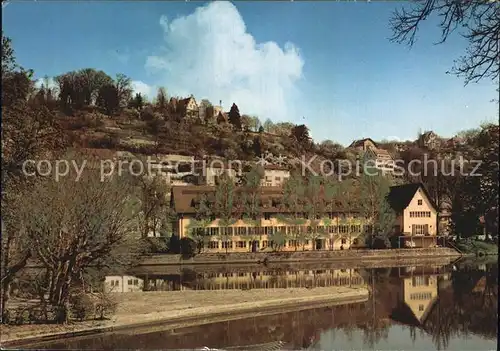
[275,175]
[276,230]
[416,215]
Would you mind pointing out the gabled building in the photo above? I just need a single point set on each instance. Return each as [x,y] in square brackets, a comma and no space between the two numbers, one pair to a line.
[416,298]
[429,140]
[416,215]
[363,144]
[380,158]
[188,106]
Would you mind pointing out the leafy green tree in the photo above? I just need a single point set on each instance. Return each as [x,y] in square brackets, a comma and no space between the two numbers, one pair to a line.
[198,226]
[373,206]
[251,198]
[294,207]
[225,207]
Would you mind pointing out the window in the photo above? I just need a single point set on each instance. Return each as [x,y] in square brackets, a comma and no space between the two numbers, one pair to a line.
[343,241]
[213,245]
[129,282]
[264,244]
[241,244]
[136,281]
[227,245]
[420,229]
[267,216]
[420,308]
[278,179]
[420,281]
[420,202]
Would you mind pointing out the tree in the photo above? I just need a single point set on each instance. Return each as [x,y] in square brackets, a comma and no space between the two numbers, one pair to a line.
[224,208]
[137,102]
[8,57]
[28,132]
[268,125]
[77,224]
[348,198]
[234,117]
[374,206]
[161,99]
[293,206]
[251,201]
[300,134]
[479,21]
[282,128]
[155,207]
[203,219]
[109,99]
[123,85]
[316,199]
[91,81]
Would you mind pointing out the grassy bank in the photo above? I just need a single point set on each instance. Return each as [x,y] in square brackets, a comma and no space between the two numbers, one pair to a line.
[477,247]
[183,308]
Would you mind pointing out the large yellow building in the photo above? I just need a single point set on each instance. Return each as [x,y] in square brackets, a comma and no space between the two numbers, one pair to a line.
[338,229]
[276,230]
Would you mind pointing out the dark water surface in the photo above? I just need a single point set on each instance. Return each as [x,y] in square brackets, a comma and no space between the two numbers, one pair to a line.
[451,307]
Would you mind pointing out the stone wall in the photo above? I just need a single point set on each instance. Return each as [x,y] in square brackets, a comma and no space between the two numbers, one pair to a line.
[301,256]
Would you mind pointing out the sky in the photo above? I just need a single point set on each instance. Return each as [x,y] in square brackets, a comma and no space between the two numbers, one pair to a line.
[329,65]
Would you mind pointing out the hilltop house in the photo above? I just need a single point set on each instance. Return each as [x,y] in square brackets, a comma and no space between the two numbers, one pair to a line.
[381,158]
[188,107]
[416,215]
[429,140]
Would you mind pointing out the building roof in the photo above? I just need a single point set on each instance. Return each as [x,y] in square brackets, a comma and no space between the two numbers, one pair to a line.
[275,167]
[360,142]
[185,199]
[399,196]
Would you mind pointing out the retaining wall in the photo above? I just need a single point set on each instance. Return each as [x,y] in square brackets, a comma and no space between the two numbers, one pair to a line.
[300,256]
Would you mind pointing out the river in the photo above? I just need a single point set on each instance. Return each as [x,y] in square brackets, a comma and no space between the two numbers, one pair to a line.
[440,307]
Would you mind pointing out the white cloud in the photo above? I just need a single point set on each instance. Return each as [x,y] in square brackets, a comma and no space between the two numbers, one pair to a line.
[210,54]
[143,88]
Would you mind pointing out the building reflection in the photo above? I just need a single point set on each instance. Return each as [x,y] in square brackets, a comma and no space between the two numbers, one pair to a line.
[191,280]
[442,303]
[417,295]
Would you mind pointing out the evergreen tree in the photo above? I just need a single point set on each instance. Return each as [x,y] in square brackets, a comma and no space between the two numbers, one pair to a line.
[234,117]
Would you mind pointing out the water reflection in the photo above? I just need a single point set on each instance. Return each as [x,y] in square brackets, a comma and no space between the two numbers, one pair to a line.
[439,307]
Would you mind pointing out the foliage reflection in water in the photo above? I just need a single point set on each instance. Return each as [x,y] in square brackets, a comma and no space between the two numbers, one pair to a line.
[447,307]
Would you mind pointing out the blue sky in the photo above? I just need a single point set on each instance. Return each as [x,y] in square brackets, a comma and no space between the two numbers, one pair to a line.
[329,65]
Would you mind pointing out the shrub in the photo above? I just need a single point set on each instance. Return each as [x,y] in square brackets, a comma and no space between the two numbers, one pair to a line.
[188,248]
[106,305]
[82,307]
[158,244]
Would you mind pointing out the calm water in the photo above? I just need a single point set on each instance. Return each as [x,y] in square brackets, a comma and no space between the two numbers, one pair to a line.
[451,307]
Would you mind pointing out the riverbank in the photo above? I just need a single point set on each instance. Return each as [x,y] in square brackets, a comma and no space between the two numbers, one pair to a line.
[176,309]
[300,256]
[477,248]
